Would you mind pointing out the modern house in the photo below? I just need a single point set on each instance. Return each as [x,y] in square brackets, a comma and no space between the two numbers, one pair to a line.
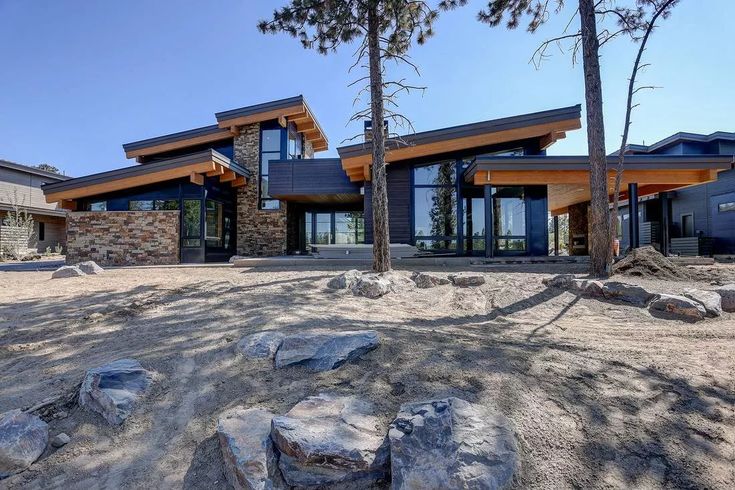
[20,186]
[696,220]
[250,185]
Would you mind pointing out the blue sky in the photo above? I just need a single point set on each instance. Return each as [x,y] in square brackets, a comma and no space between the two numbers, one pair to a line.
[82,77]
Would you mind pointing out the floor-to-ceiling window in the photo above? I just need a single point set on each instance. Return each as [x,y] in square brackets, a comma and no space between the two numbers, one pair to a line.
[435,207]
[333,227]
[473,223]
[509,223]
[270,149]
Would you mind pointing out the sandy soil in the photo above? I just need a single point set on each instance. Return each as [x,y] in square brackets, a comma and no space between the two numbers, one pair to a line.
[603,395]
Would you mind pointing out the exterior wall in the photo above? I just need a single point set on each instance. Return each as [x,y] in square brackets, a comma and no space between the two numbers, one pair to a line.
[259,232]
[123,237]
[399,204]
[54,232]
[26,186]
[578,225]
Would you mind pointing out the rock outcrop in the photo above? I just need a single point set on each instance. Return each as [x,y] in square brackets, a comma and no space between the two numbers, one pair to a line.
[23,438]
[425,280]
[627,293]
[711,300]
[261,345]
[67,271]
[371,286]
[466,280]
[678,306]
[346,280]
[322,350]
[90,267]
[113,390]
[727,295]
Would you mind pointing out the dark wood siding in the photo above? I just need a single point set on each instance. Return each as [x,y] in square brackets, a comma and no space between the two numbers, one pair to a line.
[399,204]
[310,177]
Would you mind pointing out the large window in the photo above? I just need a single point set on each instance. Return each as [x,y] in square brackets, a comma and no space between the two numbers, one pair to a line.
[270,149]
[334,227]
[509,225]
[435,207]
[349,228]
[295,142]
[192,236]
[97,206]
[154,205]
[213,219]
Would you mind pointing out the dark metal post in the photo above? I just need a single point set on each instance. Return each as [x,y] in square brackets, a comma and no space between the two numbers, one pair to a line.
[556,235]
[633,210]
[488,221]
[665,222]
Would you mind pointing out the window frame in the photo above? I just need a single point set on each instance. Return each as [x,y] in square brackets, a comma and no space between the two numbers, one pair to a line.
[282,152]
[681,220]
[456,186]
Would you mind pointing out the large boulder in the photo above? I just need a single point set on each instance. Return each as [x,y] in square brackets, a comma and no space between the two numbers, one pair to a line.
[346,280]
[466,280]
[330,441]
[90,267]
[628,293]
[67,271]
[727,293]
[23,438]
[399,281]
[678,307]
[451,444]
[322,350]
[371,286]
[711,300]
[250,460]
[113,390]
[425,280]
[261,345]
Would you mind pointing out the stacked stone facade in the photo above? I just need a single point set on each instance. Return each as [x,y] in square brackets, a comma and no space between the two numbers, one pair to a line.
[259,232]
[123,237]
[578,229]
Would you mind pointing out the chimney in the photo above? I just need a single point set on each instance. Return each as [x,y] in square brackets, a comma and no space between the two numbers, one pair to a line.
[369,130]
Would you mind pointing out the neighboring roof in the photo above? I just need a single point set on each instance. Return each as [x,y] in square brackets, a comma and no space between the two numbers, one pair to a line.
[32,170]
[228,122]
[552,123]
[35,210]
[196,163]
[680,138]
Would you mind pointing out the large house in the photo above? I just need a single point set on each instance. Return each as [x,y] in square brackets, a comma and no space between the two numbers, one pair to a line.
[250,185]
[20,186]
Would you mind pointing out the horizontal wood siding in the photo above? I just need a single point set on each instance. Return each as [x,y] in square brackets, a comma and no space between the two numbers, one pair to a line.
[27,188]
[399,205]
[310,177]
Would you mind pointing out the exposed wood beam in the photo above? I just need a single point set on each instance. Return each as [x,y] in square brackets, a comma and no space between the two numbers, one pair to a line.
[282,121]
[227,176]
[235,130]
[262,116]
[239,182]
[301,116]
[219,170]
[69,204]
[196,178]
[306,126]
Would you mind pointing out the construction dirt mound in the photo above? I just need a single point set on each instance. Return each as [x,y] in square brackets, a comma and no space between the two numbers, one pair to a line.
[647,262]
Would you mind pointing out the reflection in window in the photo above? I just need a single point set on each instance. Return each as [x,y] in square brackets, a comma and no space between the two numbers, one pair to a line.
[474,223]
[435,206]
[192,223]
[509,224]
[437,174]
[431,245]
[323,228]
[166,205]
[214,225]
[340,227]
[97,206]
[150,205]
[725,207]
[349,228]
[140,205]
[270,149]
[307,225]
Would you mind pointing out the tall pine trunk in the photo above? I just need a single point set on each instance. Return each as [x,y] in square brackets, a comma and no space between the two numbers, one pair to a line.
[599,222]
[381,240]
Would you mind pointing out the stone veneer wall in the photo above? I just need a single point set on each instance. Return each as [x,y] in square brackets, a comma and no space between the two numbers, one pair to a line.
[578,225]
[123,237]
[259,232]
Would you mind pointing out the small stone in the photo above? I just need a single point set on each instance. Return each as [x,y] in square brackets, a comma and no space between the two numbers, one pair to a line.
[711,300]
[425,280]
[727,293]
[346,280]
[563,281]
[467,280]
[678,306]
[113,390]
[67,271]
[60,440]
[93,317]
[261,345]
[371,286]
[588,286]
[23,438]
[237,257]
[322,350]
[627,293]
[90,267]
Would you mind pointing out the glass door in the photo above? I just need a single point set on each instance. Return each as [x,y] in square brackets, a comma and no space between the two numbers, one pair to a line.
[509,220]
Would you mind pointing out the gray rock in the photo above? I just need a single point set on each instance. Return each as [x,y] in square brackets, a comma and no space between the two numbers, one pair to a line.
[23,438]
[60,440]
[451,444]
[678,306]
[346,280]
[90,267]
[588,286]
[261,345]
[425,280]
[113,390]
[250,460]
[627,293]
[331,442]
[563,281]
[711,300]
[727,293]
[466,280]
[399,281]
[371,286]
[237,257]
[322,350]
[67,271]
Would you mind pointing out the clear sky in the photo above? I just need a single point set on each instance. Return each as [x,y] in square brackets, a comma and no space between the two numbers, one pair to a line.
[81,77]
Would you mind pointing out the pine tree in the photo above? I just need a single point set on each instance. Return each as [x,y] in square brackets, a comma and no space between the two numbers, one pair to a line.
[385,29]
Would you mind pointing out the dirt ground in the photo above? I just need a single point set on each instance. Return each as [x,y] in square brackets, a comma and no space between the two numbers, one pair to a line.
[602,395]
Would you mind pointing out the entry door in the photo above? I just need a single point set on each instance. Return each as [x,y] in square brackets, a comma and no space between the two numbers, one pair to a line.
[722,210]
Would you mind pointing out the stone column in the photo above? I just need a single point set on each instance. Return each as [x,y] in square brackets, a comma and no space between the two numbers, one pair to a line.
[579,229]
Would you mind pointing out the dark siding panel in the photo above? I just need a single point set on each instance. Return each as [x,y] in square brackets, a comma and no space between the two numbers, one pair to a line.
[310,177]
[399,205]
[538,232]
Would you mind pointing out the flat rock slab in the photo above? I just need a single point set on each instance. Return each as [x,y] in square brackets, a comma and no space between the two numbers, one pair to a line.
[451,444]
[372,286]
[346,280]
[90,267]
[322,350]
[711,300]
[261,345]
[23,438]
[467,280]
[250,460]
[627,293]
[67,271]
[113,390]
[424,280]
[679,307]
[330,441]
[727,295]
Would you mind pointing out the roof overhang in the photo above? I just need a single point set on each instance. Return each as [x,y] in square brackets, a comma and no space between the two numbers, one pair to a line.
[549,126]
[293,110]
[194,166]
[175,141]
[34,210]
[568,176]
